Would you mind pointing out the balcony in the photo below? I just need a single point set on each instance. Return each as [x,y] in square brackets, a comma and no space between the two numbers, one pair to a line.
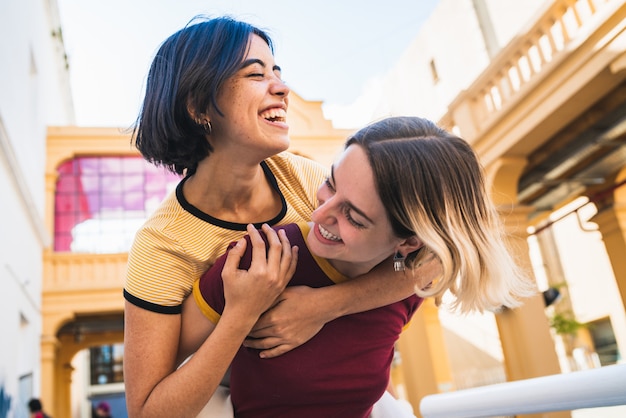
[90,284]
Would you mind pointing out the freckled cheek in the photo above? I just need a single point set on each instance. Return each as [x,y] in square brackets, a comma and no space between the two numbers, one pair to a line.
[232,94]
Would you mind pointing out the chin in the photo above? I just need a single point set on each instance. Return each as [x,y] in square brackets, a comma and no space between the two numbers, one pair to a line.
[281,144]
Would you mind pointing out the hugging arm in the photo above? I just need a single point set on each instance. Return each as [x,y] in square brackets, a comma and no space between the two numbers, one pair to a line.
[155,385]
[300,312]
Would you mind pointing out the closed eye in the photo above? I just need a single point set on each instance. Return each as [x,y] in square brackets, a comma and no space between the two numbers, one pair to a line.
[329,185]
[346,209]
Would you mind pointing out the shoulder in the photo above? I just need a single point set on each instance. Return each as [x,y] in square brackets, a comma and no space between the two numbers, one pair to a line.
[297,174]
[298,179]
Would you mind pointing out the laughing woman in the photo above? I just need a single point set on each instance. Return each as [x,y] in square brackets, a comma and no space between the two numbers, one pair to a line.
[215,111]
[402,188]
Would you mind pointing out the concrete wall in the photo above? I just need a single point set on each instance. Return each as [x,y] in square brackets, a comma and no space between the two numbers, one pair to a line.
[459,38]
[34,92]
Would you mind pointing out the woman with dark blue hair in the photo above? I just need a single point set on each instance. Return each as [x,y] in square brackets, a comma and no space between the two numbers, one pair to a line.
[215,111]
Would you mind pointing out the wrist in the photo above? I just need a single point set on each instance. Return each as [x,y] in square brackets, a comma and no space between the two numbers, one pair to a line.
[332,301]
[237,321]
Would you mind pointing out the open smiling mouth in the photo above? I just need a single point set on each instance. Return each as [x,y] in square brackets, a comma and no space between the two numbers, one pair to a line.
[327,235]
[275,115]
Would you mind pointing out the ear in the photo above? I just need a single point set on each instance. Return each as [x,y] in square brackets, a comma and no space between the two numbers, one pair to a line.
[409,245]
[192,111]
[196,116]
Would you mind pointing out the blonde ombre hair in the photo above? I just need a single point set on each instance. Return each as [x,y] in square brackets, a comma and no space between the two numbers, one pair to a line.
[433,187]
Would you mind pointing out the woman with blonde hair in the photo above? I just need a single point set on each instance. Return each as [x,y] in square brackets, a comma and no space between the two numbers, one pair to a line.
[215,111]
[402,188]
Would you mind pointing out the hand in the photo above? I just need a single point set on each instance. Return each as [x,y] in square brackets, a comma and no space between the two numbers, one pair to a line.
[429,270]
[292,321]
[251,292]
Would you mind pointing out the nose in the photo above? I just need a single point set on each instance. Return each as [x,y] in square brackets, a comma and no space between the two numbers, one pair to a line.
[325,212]
[322,215]
[279,87]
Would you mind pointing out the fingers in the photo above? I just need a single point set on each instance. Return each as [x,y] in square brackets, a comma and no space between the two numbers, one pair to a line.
[250,292]
[279,249]
[274,247]
[263,331]
[259,251]
[268,347]
[292,261]
[233,258]
[429,270]
[281,256]
[289,256]
[261,343]
[263,324]
[276,351]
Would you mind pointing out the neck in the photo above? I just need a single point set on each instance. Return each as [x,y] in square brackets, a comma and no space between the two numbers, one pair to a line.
[350,269]
[235,193]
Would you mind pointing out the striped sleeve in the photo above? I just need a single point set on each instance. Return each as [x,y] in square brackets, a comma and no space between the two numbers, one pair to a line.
[158,277]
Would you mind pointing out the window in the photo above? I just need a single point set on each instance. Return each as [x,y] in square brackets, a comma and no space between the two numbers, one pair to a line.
[604,341]
[106,364]
[101,201]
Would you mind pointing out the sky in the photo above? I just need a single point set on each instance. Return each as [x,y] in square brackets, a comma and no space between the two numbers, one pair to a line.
[328,49]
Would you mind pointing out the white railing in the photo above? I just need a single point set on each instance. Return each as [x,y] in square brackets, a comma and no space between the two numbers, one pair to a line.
[605,386]
[556,32]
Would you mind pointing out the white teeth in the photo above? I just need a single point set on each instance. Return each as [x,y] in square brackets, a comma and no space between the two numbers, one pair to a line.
[274,114]
[327,234]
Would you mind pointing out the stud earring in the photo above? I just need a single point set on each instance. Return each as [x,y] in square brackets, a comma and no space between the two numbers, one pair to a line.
[398,262]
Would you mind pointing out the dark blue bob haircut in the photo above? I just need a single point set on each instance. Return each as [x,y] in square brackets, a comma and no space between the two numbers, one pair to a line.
[187,72]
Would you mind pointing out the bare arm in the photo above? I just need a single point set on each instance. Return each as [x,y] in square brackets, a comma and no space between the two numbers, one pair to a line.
[195,329]
[301,312]
[155,387]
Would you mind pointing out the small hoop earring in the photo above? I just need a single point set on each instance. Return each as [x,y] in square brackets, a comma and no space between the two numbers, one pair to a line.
[208,128]
[398,262]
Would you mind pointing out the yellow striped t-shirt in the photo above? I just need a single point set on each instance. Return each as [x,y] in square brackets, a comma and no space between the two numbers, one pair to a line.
[178,242]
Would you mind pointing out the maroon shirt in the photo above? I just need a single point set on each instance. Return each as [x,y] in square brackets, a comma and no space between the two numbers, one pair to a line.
[341,372]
